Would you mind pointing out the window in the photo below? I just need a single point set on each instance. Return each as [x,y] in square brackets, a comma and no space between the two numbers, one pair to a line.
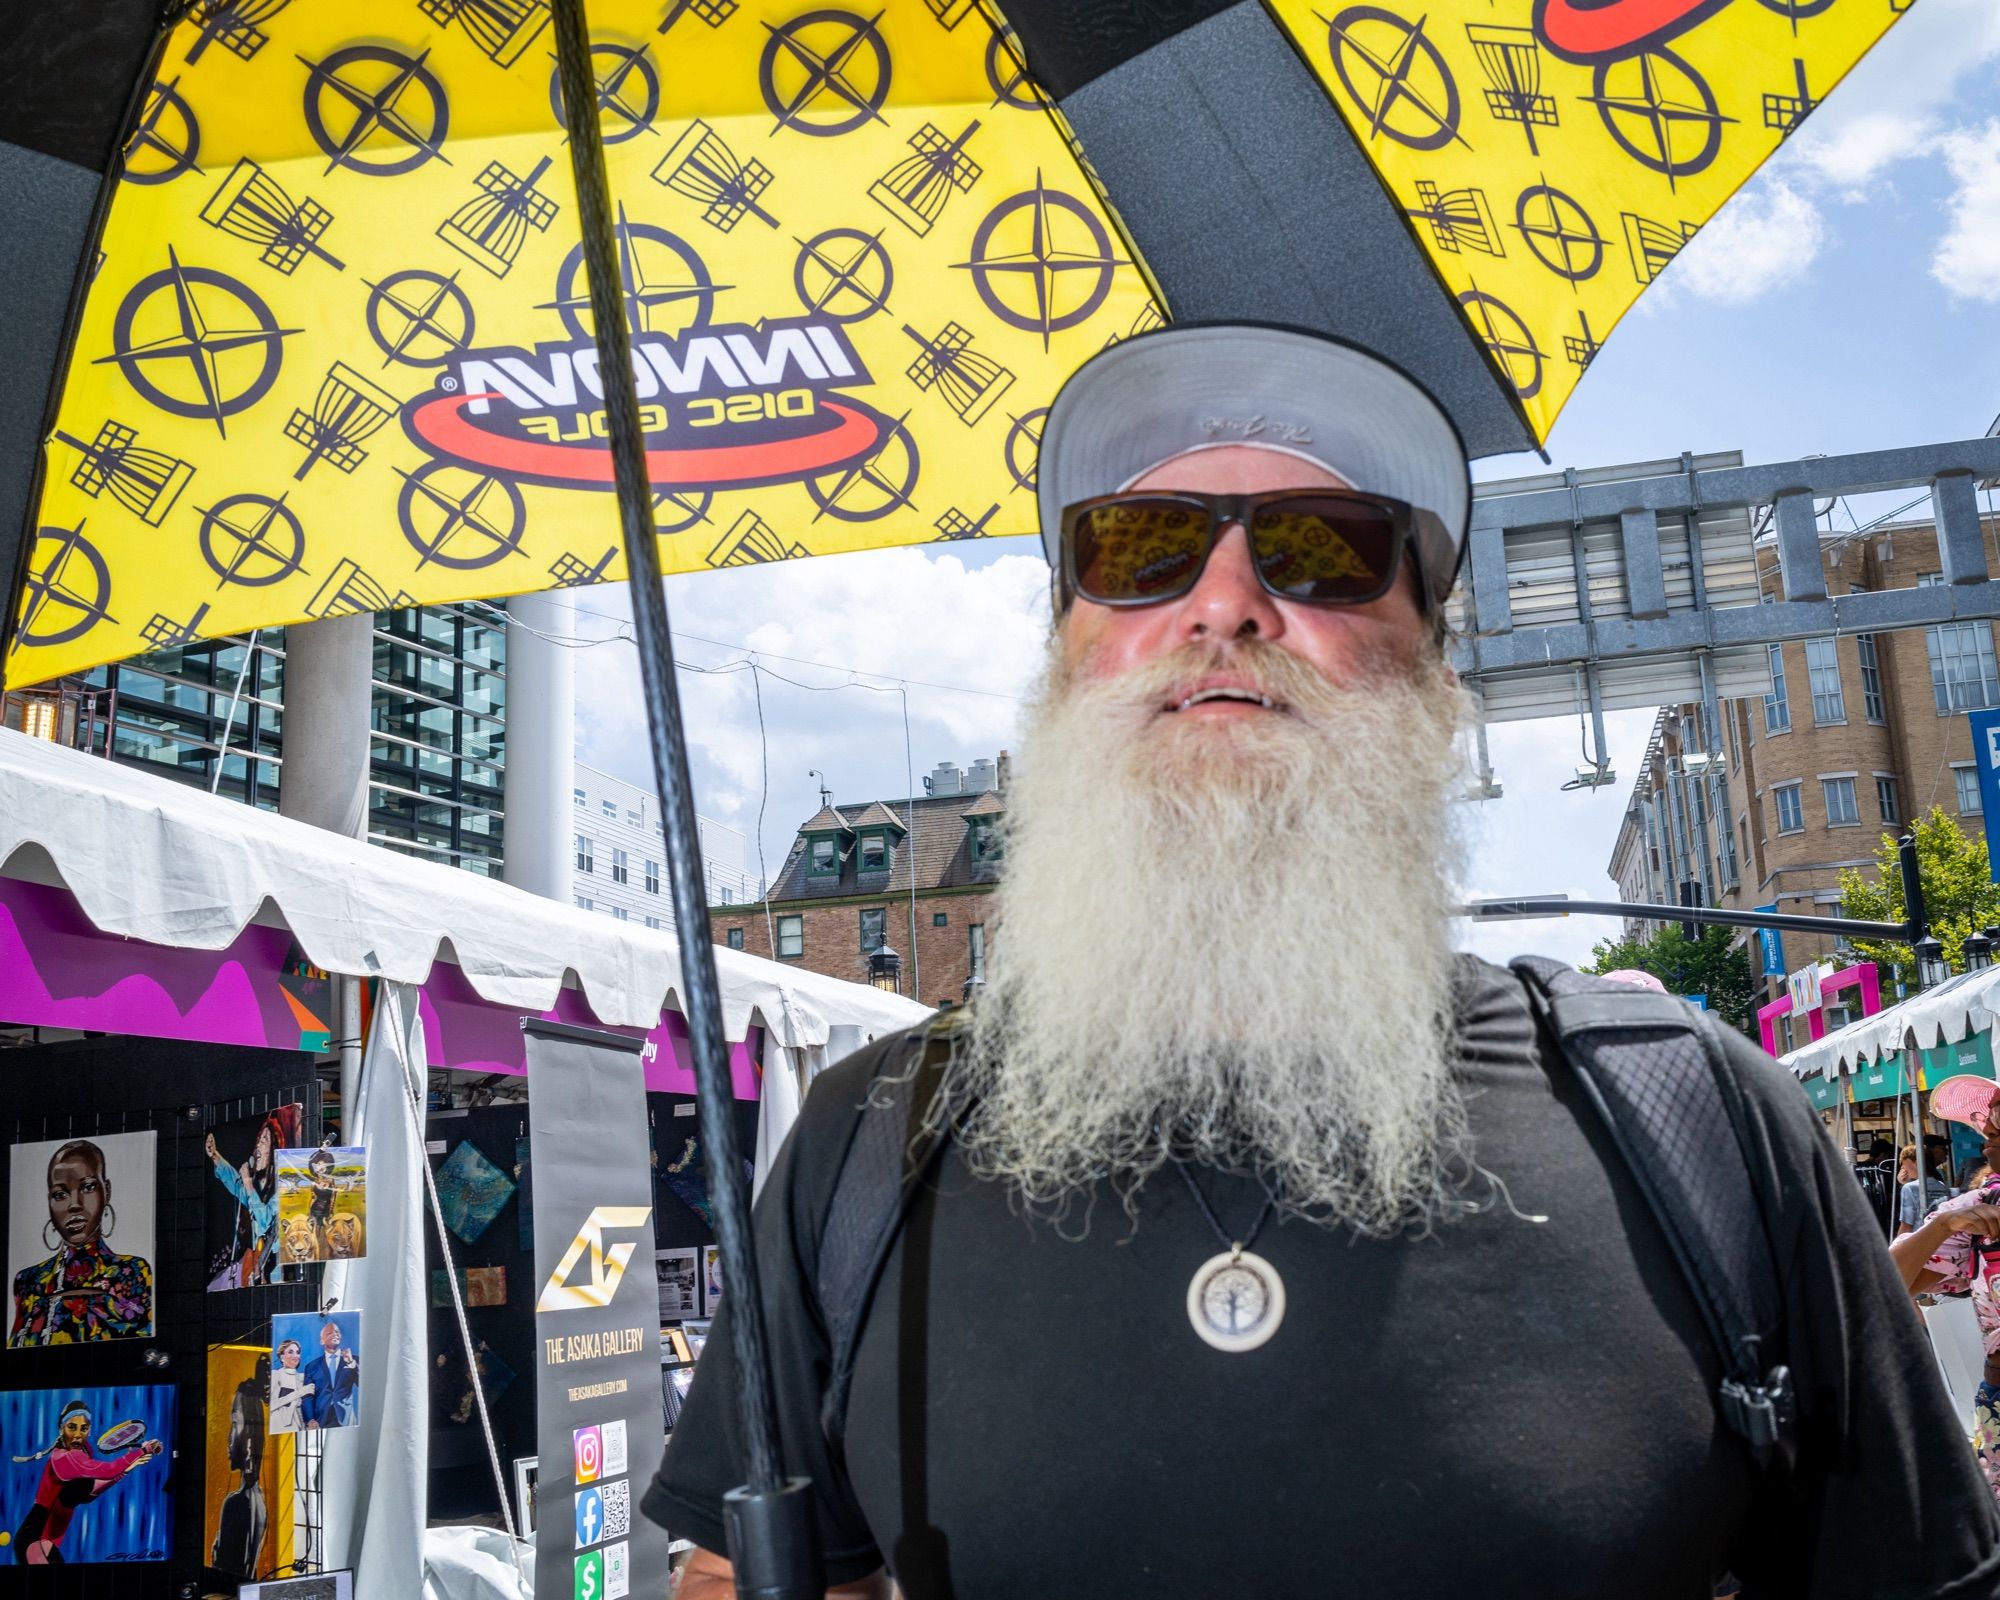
[635,819]
[1885,798]
[825,859]
[976,948]
[874,855]
[1791,813]
[1743,834]
[940,919]
[579,795]
[653,881]
[619,913]
[985,841]
[652,922]
[610,807]
[735,938]
[583,903]
[1841,811]
[1777,710]
[621,870]
[1963,674]
[791,936]
[586,860]
[873,921]
[1871,677]
[1823,676]
[1967,779]
[1729,722]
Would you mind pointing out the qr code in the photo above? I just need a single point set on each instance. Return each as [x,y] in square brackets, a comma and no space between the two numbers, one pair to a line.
[618,1509]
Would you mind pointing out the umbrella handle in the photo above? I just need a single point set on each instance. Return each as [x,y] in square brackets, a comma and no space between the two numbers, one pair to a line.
[770,1516]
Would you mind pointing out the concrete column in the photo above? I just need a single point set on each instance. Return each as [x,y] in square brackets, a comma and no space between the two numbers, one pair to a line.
[541,746]
[328,667]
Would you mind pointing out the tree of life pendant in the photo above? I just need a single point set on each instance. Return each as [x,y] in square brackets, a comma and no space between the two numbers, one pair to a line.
[1236,1300]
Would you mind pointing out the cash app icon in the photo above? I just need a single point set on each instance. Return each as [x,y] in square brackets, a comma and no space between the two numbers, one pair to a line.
[590,1576]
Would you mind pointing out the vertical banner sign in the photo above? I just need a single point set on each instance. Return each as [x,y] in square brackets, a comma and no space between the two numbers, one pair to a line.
[599,1424]
[1986,750]
[1771,945]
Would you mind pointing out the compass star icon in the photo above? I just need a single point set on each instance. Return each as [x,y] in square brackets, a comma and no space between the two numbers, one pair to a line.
[460,518]
[166,139]
[831,59]
[231,344]
[252,540]
[1049,245]
[1007,73]
[628,91]
[843,274]
[1024,446]
[664,284]
[1660,111]
[1507,340]
[1559,233]
[53,586]
[879,483]
[389,111]
[419,318]
[1395,75]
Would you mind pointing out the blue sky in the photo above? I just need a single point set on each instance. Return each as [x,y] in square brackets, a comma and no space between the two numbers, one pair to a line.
[1847,299]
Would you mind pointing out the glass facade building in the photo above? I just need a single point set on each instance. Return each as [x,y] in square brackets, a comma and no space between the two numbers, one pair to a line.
[438,721]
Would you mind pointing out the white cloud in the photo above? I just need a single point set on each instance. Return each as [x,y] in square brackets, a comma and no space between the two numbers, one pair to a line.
[873,618]
[1762,240]
[1967,260]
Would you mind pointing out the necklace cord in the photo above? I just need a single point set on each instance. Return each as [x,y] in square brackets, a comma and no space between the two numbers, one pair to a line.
[1208,1211]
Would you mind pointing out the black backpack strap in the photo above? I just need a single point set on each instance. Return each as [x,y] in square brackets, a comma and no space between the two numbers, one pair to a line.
[1652,1067]
[894,1143]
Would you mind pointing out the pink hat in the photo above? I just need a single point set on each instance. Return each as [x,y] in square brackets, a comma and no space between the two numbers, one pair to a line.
[1964,1098]
[1632,975]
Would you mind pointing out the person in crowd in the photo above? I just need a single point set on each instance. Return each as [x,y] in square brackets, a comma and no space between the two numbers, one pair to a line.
[1874,1170]
[290,1390]
[334,1377]
[254,1186]
[1956,1251]
[1972,1172]
[73,1476]
[85,1290]
[1269,1236]
[1916,1196]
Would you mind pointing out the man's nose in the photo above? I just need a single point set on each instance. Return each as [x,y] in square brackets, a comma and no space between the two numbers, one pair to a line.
[1228,602]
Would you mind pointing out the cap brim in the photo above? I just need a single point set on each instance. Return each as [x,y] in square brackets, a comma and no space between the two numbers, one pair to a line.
[1186,386]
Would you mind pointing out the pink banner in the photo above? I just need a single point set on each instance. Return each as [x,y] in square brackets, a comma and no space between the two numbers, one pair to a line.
[57,971]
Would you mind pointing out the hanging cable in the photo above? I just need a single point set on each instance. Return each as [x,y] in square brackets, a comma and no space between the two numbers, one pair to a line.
[763,794]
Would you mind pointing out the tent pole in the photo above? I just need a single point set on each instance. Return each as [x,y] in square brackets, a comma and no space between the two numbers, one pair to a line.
[769,1526]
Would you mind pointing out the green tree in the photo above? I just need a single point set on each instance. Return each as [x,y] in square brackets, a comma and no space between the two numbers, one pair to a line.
[1712,965]
[1960,896]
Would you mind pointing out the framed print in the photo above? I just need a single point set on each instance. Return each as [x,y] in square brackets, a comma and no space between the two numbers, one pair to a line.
[323,1204]
[241,1198]
[310,1586]
[524,1494]
[119,1441]
[711,1279]
[80,1240]
[679,1275]
[315,1370]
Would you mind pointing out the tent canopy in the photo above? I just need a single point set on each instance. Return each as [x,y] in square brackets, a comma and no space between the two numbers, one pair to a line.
[151,859]
[1966,1004]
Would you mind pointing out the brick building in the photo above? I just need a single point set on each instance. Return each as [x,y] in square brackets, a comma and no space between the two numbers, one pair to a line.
[1860,735]
[846,886]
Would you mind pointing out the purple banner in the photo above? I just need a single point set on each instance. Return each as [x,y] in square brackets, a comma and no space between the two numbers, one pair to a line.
[57,971]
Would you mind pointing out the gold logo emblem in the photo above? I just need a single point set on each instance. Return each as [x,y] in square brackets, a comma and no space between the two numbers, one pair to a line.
[607,1267]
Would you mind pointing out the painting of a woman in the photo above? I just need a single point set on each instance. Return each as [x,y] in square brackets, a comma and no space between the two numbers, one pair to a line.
[253,1248]
[74,1476]
[289,1389]
[84,1290]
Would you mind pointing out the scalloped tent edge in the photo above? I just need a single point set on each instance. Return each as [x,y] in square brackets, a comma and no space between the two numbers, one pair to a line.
[1968,1003]
[147,858]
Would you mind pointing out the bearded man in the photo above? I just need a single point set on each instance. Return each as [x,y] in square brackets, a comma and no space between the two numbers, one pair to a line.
[1261,1252]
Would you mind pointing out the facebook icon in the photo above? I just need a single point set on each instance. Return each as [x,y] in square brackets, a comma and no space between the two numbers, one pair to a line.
[589,1517]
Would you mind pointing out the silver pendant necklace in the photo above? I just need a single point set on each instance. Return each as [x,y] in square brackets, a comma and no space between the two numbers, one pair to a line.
[1236,1299]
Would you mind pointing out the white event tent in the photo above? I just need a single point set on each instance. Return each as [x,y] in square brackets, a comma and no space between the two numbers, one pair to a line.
[149,859]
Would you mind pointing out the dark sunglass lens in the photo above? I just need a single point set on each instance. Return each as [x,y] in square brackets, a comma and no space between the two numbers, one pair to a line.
[1138,549]
[1324,549]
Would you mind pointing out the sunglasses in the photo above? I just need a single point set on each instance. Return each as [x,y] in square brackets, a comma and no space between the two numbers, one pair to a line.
[1323,547]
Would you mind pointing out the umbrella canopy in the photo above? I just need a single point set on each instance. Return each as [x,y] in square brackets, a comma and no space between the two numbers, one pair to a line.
[330,346]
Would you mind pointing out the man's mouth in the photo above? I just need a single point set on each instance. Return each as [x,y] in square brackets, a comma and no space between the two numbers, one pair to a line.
[1225,695]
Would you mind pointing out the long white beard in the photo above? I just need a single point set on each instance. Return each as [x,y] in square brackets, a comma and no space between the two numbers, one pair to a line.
[1227,940]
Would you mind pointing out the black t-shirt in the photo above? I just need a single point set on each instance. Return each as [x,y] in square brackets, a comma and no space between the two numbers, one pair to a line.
[1503,1408]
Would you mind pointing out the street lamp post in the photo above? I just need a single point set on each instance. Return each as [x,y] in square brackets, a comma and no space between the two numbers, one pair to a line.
[1978,952]
[1931,968]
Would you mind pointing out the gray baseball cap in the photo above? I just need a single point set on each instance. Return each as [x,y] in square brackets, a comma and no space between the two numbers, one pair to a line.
[1194,384]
